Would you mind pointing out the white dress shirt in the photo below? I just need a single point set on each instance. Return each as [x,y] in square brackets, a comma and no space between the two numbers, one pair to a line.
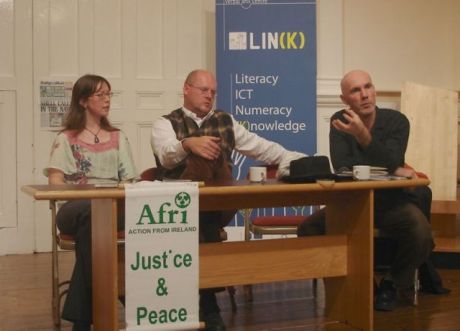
[170,152]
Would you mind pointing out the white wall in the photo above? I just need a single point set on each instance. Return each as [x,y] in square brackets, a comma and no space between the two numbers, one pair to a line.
[404,40]
[16,118]
[145,48]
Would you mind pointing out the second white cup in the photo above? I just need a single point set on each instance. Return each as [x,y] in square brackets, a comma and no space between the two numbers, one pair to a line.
[361,172]
[257,174]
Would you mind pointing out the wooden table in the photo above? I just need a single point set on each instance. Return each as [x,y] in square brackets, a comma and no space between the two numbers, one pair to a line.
[344,257]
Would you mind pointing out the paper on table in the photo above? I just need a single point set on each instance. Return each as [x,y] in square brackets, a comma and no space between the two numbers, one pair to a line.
[375,171]
[170,181]
[386,177]
[106,185]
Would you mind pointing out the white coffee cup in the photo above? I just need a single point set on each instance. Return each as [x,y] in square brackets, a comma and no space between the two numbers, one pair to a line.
[361,172]
[257,174]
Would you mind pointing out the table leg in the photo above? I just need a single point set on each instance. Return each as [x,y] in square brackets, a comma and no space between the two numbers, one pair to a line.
[350,299]
[104,251]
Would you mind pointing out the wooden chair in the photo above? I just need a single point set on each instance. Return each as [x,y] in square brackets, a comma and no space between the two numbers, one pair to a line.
[67,242]
[271,225]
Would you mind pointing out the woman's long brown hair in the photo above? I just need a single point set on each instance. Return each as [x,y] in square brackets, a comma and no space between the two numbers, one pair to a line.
[83,88]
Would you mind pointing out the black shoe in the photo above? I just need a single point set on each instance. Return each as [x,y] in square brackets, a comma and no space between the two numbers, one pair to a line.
[437,290]
[386,296]
[209,311]
[214,322]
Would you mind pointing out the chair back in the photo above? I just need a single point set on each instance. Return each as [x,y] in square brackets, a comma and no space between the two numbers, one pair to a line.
[271,171]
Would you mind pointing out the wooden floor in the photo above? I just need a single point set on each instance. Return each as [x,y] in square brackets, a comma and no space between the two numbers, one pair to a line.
[25,289]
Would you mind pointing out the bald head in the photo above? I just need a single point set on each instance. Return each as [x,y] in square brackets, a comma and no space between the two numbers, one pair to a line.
[195,75]
[358,92]
[199,92]
[351,76]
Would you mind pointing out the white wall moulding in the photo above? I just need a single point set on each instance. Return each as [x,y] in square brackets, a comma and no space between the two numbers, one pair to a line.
[150,100]
[7,49]
[145,157]
[150,33]
[108,35]
[327,105]
[8,110]
[328,86]
[117,100]
[63,38]
[16,126]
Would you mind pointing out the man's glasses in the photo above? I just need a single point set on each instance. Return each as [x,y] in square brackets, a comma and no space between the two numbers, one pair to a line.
[204,90]
[102,95]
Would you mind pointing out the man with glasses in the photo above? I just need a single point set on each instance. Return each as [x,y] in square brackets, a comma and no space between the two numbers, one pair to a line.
[195,142]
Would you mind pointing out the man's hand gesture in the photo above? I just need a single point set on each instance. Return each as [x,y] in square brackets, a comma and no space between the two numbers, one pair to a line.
[355,127]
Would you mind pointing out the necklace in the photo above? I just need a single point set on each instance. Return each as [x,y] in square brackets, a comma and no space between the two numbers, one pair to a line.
[96,138]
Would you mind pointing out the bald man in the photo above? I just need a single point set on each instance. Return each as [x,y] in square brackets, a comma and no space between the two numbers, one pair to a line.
[363,134]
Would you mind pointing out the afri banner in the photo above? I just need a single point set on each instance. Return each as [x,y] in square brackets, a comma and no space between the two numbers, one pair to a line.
[266,70]
[161,256]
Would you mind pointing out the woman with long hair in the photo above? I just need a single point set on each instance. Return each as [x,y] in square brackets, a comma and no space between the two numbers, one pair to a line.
[89,150]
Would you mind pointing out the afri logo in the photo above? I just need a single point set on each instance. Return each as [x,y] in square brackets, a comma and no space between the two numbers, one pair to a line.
[165,214]
[266,40]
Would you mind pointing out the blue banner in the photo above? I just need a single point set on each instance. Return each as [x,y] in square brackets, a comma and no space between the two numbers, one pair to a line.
[266,70]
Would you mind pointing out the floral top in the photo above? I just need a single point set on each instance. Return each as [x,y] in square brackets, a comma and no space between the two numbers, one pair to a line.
[83,163]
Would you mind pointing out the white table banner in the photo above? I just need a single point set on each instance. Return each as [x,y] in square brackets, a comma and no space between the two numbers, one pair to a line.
[161,252]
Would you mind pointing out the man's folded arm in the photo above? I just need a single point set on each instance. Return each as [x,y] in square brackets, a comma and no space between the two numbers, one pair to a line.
[165,145]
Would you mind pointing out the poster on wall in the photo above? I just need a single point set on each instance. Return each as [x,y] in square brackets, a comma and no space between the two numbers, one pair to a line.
[55,99]
[266,71]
